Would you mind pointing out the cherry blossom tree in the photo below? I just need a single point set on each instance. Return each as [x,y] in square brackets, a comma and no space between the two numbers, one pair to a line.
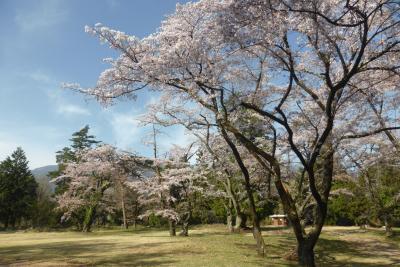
[216,154]
[162,202]
[171,192]
[302,66]
[98,170]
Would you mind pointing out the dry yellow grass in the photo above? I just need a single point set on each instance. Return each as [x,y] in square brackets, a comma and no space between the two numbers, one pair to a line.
[207,246]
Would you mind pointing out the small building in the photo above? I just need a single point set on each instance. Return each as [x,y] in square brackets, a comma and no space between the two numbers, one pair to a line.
[279,220]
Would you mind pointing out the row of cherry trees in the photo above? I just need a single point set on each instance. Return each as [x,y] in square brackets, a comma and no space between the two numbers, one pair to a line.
[282,84]
[96,179]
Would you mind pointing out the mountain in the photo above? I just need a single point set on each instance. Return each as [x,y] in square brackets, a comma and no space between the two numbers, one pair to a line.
[43,171]
[41,176]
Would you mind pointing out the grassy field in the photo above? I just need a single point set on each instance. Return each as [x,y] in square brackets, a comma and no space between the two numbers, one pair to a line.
[207,246]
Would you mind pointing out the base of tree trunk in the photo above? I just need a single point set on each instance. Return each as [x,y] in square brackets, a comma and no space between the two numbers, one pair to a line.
[86,228]
[305,255]
[184,233]
[261,250]
[389,232]
[292,255]
[172,228]
[89,219]
[229,223]
[185,229]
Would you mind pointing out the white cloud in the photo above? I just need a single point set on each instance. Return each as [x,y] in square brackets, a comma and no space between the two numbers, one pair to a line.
[44,14]
[176,135]
[69,109]
[126,129]
[128,133]
[39,76]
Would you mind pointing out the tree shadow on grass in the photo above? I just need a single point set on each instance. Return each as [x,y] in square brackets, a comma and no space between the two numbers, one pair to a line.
[96,253]
[276,250]
[147,259]
[328,251]
[368,249]
[216,233]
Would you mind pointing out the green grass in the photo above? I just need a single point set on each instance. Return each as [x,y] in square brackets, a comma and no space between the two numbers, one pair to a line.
[206,246]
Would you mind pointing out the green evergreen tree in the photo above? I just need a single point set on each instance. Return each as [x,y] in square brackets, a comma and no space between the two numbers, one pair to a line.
[17,189]
[80,140]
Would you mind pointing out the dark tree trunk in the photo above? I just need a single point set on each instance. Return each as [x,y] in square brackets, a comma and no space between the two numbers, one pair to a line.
[6,223]
[305,252]
[255,220]
[172,228]
[243,223]
[12,222]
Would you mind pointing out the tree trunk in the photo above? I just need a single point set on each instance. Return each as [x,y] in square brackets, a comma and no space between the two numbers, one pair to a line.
[305,252]
[240,222]
[185,223]
[261,249]
[229,222]
[13,222]
[388,228]
[172,228]
[229,218]
[89,218]
[123,209]
[259,239]
[79,226]
[243,223]
[256,223]
[305,245]
[6,223]
[185,229]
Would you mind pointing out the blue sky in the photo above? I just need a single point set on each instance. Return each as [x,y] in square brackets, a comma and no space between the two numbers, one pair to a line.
[42,44]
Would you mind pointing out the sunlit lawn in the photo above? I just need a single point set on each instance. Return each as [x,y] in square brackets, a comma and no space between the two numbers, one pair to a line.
[207,246]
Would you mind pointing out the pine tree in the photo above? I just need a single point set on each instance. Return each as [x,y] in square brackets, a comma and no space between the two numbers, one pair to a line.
[17,189]
[80,140]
